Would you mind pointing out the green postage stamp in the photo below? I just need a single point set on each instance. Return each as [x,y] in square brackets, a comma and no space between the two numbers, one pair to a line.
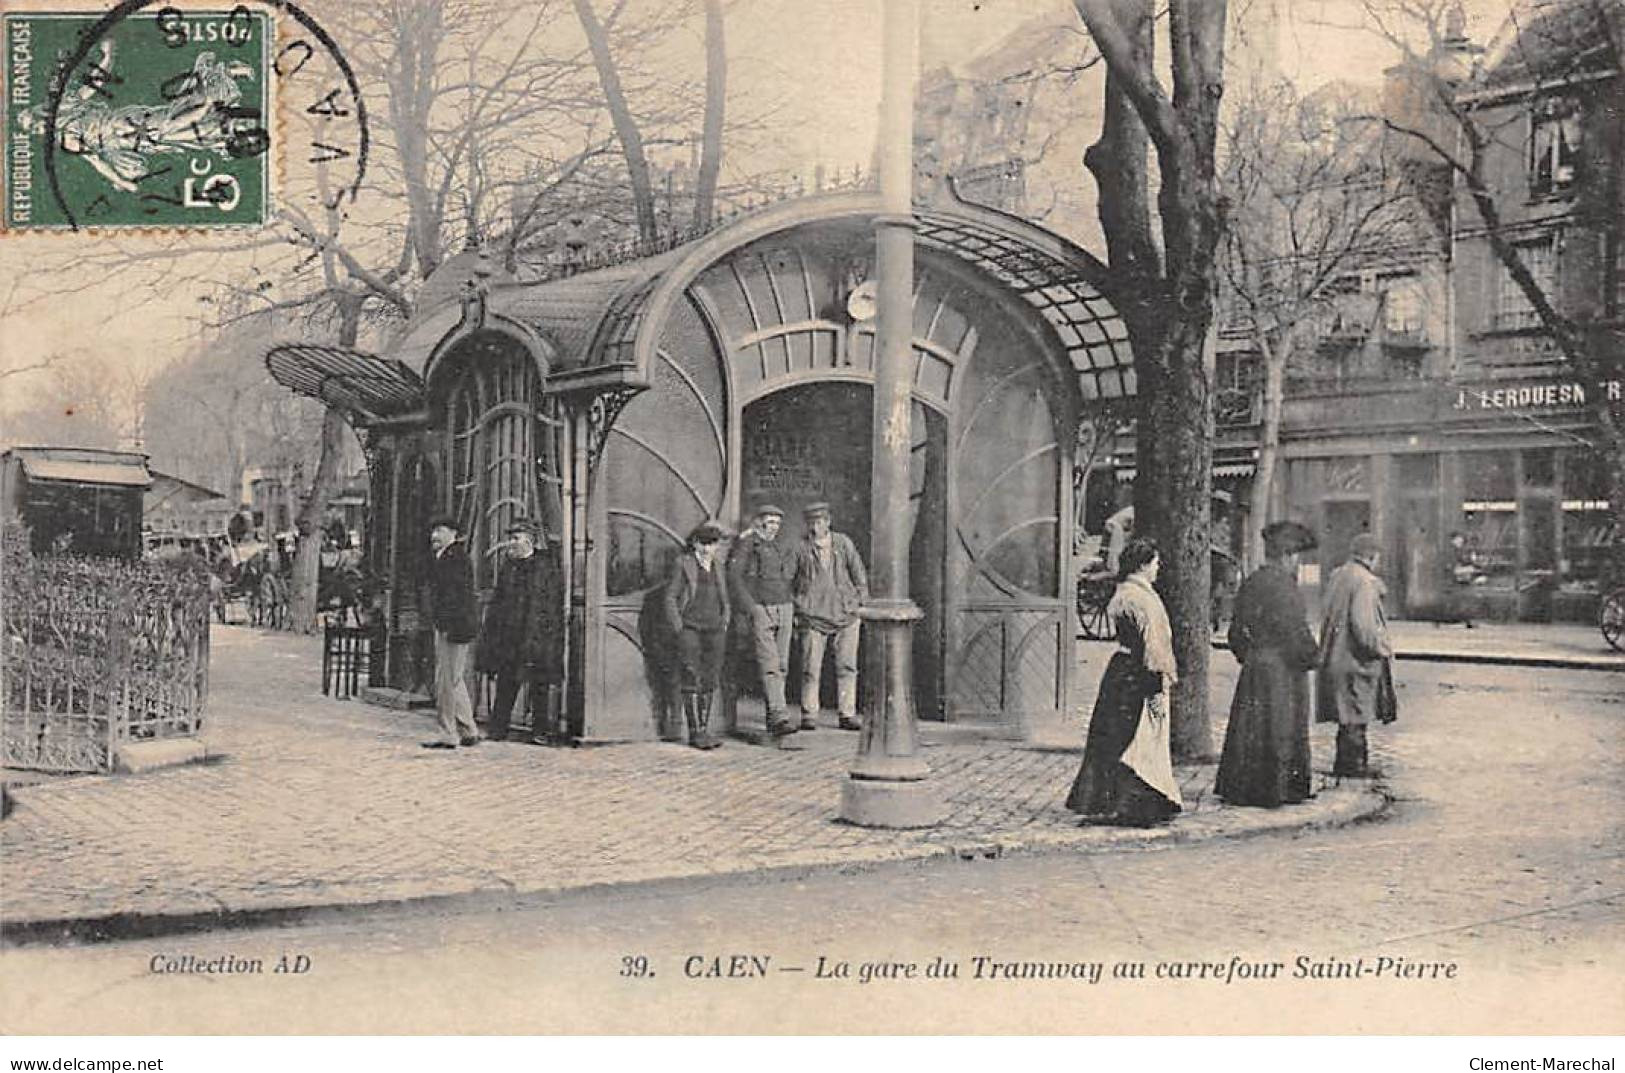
[155,118]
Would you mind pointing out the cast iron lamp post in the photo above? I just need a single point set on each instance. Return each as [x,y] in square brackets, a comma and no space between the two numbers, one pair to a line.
[889,784]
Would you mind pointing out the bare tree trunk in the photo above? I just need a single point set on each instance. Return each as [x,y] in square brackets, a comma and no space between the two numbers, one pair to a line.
[620,113]
[307,558]
[1178,491]
[1262,498]
[1168,307]
[716,100]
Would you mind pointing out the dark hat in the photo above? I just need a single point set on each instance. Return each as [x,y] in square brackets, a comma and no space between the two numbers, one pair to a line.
[524,525]
[445,520]
[767,509]
[705,533]
[1365,546]
[814,509]
[1284,538]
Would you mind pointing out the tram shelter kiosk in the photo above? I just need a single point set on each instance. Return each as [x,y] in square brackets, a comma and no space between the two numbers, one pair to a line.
[625,405]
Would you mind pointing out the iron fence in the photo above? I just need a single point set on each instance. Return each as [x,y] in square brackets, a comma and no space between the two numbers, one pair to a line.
[97,654]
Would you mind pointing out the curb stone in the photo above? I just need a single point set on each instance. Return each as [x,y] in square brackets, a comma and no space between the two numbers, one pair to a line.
[1362,805]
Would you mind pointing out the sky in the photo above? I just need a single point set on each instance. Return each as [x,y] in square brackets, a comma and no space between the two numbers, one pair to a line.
[816,61]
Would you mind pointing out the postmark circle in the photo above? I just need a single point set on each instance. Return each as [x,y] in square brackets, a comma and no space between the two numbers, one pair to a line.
[192,146]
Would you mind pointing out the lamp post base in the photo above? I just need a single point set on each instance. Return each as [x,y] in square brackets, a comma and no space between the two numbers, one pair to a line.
[890,783]
[897,805]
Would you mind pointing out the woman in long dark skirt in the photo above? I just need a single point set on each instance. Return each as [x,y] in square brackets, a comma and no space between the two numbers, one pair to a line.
[1127,776]
[1266,746]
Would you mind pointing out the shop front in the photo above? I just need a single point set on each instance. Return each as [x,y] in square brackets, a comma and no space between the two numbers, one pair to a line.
[624,406]
[1490,500]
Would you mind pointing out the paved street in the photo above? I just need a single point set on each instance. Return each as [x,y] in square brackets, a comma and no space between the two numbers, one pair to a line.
[311,802]
[1502,854]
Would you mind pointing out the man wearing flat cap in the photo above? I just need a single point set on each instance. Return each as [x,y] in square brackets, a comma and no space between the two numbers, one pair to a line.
[697,612]
[1266,746]
[523,624]
[1355,683]
[830,585]
[762,569]
[456,621]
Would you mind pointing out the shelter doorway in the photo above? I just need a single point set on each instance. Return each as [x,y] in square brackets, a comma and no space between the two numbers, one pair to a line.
[812,442]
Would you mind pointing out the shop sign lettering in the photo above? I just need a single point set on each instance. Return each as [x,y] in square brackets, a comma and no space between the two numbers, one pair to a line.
[1530,396]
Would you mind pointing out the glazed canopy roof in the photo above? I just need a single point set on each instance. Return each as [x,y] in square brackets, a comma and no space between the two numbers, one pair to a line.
[601,326]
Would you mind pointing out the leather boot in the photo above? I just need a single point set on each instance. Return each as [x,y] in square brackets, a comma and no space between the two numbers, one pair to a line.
[705,740]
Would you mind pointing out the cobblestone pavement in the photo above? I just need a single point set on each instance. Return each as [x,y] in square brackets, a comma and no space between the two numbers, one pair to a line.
[1503,854]
[310,802]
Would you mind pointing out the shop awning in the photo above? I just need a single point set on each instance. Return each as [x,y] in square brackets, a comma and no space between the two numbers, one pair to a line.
[79,467]
[1227,469]
[368,387]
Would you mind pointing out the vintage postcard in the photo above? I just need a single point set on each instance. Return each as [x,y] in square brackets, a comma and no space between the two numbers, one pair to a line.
[828,518]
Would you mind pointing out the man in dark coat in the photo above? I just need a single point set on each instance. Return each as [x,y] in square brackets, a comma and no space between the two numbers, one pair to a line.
[1355,683]
[761,574]
[697,612]
[456,621]
[1266,746]
[519,644]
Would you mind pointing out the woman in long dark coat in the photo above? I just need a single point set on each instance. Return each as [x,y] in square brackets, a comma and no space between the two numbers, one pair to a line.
[1127,776]
[1266,748]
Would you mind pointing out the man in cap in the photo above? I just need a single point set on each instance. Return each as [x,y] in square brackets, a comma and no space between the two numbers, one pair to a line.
[519,644]
[1355,682]
[762,571]
[456,621]
[830,585]
[697,612]
[1266,745]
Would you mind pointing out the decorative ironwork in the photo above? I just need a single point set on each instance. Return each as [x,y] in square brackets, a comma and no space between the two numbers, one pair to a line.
[98,653]
[606,406]
[475,293]
[365,386]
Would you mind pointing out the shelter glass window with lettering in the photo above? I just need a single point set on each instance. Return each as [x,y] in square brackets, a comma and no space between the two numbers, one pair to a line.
[1422,570]
[1586,523]
[1490,516]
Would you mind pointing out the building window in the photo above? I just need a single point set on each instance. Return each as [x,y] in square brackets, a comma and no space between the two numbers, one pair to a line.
[1236,382]
[1554,147]
[1490,516]
[1402,306]
[1513,310]
[1588,531]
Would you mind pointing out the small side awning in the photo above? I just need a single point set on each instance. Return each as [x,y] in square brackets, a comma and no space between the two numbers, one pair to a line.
[85,471]
[369,388]
[1226,469]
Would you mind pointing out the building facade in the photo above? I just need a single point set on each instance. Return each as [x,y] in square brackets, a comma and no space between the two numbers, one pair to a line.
[1430,408]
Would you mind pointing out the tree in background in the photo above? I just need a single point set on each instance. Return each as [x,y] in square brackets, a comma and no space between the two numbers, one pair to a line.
[1312,199]
[1164,282]
[494,134]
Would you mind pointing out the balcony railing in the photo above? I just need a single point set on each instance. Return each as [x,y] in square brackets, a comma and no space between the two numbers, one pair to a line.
[1236,407]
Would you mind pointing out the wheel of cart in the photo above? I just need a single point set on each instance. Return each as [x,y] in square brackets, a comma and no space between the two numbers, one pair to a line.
[1095,590]
[1611,618]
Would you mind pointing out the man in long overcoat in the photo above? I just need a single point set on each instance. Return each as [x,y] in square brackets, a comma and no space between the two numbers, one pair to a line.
[1266,746]
[456,621]
[1355,683]
[523,625]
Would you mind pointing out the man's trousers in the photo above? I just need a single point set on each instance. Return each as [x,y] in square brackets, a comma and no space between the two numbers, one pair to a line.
[846,668]
[451,701]
[771,626]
